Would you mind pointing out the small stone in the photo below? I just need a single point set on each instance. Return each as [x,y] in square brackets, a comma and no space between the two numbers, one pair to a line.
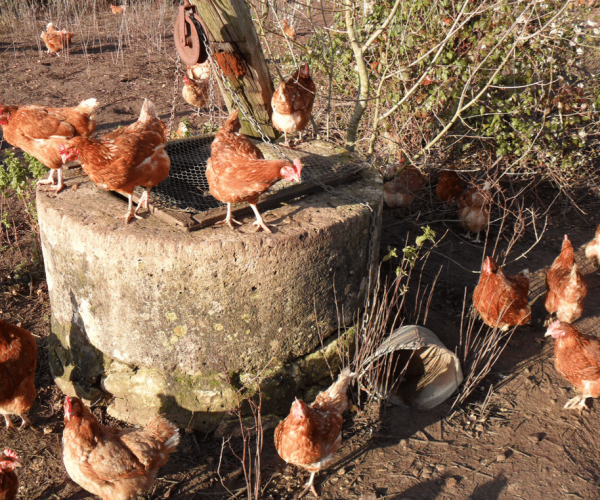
[451,483]
[47,430]
[341,472]
[537,437]
[440,467]
[501,457]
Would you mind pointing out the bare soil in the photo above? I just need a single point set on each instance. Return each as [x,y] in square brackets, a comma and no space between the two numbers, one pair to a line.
[520,444]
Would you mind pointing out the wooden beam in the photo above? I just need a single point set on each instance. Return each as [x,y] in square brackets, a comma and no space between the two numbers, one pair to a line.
[235,44]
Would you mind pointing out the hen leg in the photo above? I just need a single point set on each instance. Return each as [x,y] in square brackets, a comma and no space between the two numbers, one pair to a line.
[259,222]
[309,486]
[9,423]
[143,202]
[477,240]
[229,220]
[25,421]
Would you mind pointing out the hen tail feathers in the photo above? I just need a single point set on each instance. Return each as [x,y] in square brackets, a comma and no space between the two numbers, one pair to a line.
[148,112]
[87,106]
[340,386]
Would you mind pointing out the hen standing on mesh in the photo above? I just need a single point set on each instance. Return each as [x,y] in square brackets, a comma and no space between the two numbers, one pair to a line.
[9,482]
[237,171]
[56,40]
[292,103]
[18,359]
[310,435]
[502,300]
[577,358]
[38,130]
[111,463]
[566,286]
[126,158]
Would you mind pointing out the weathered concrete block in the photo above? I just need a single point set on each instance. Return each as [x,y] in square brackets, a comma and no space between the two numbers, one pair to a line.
[154,316]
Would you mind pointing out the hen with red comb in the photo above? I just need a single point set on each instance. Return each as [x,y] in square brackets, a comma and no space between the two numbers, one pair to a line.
[9,483]
[112,463]
[311,434]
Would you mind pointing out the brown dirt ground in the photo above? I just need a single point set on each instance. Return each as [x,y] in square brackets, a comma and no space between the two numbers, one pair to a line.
[526,446]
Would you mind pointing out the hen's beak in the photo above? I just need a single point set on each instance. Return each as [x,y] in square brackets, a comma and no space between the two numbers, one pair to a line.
[548,334]
[17,464]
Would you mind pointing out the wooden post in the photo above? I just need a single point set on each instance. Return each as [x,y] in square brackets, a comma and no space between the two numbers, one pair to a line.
[237,50]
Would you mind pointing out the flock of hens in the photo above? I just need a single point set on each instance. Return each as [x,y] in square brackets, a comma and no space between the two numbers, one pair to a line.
[121,464]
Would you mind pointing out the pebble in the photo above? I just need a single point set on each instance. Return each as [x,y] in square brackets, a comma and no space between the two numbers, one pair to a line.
[537,437]
[451,483]
[500,457]
[341,472]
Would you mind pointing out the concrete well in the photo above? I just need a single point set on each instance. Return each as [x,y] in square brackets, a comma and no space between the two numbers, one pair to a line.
[155,316]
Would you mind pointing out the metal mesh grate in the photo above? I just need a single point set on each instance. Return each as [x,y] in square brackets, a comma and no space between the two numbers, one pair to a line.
[186,187]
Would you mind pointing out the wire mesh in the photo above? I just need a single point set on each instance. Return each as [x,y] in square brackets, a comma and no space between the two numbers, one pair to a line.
[186,187]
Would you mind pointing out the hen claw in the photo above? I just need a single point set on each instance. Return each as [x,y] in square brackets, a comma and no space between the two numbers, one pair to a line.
[261,225]
[577,401]
[309,486]
[229,222]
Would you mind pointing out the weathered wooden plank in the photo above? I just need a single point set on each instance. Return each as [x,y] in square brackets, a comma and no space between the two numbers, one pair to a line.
[228,25]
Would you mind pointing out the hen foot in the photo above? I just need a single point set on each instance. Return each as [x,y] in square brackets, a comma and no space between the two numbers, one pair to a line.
[309,486]
[230,222]
[578,402]
[129,216]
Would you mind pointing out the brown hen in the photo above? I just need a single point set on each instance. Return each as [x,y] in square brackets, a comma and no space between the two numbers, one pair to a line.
[38,130]
[56,40]
[125,158]
[118,9]
[449,186]
[9,482]
[566,286]
[292,103]
[18,359]
[237,171]
[502,300]
[111,463]
[403,188]
[311,434]
[577,358]
[288,30]
[195,93]
[473,211]
[592,249]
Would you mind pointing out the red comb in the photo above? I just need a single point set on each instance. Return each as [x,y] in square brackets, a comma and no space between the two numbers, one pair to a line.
[11,454]
[68,406]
